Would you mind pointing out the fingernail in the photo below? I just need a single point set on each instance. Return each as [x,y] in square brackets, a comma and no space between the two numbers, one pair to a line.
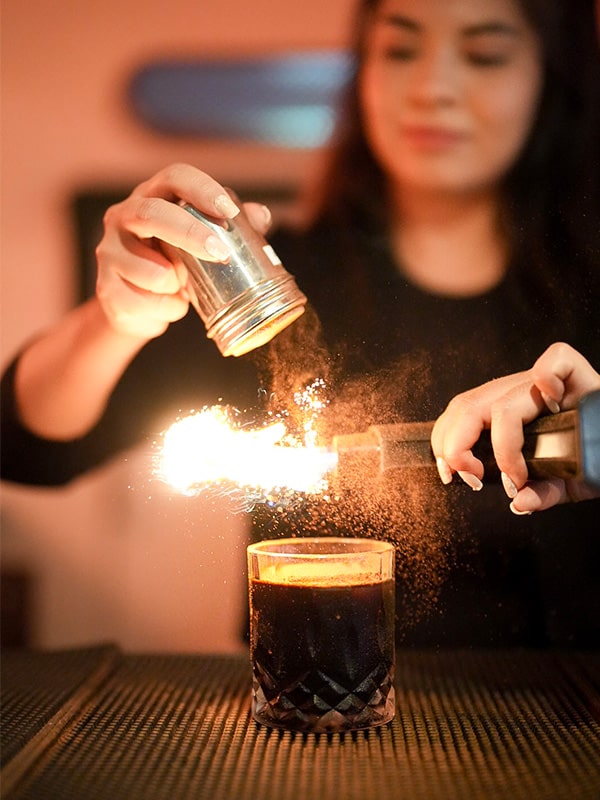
[225,206]
[551,404]
[444,470]
[471,480]
[216,248]
[267,215]
[509,486]
[517,512]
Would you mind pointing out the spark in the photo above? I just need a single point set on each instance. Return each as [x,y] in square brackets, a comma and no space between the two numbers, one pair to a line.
[311,402]
[210,448]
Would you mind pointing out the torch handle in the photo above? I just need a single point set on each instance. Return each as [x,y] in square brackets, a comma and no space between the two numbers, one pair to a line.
[565,445]
[551,448]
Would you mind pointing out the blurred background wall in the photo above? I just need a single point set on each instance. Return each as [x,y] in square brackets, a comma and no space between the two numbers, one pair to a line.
[114,556]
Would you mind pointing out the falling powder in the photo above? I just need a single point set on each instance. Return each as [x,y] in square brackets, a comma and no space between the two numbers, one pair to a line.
[408,508]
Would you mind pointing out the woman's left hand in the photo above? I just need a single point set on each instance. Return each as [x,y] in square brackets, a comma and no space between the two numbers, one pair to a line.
[557,381]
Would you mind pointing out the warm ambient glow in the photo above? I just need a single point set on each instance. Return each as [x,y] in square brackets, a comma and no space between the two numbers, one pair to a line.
[209,448]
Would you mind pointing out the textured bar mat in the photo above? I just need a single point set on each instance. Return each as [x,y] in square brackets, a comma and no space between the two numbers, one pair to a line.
[483,724]
[40,690]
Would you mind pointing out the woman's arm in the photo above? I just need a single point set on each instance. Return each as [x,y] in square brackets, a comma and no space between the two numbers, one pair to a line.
[65,377]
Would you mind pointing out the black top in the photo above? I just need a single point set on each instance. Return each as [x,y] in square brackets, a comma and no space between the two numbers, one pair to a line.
[470,572]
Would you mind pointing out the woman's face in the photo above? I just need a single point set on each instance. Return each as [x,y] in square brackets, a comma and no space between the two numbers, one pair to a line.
[449,90]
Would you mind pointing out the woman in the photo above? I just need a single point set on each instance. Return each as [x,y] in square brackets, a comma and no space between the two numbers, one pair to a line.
[448,245]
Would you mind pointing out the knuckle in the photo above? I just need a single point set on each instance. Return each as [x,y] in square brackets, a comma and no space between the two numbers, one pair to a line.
[205,183]
[560,349]
[99,252]
[172,172]
[456,456]
[146,209]
[463,403]
[499,410]
[110,215]
[194,232]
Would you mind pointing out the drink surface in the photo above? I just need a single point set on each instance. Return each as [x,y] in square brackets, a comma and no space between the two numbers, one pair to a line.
[322,653]
[326,573]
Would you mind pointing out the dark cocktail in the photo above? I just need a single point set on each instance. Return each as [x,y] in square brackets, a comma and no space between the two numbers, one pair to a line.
[322,633]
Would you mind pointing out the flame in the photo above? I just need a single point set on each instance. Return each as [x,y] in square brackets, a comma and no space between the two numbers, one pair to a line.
[210,447]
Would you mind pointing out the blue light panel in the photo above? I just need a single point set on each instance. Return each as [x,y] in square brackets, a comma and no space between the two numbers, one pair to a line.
[285,101]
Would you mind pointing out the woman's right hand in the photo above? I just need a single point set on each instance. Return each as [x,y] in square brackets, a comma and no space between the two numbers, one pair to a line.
[139,289]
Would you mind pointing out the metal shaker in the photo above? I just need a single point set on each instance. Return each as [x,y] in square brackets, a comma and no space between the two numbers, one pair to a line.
[247,301]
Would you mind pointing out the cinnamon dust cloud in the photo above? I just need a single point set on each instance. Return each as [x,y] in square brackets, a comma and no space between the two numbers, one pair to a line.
[408,508]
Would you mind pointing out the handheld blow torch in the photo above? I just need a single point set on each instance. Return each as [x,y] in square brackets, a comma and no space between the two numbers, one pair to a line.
[564,445]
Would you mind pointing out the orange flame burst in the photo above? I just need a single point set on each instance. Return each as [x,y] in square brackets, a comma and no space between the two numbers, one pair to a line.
[209,449]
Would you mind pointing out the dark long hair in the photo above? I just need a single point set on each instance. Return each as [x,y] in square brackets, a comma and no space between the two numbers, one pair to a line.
[551,196]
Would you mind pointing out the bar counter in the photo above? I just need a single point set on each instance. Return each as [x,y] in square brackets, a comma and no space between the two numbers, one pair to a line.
[100,724]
